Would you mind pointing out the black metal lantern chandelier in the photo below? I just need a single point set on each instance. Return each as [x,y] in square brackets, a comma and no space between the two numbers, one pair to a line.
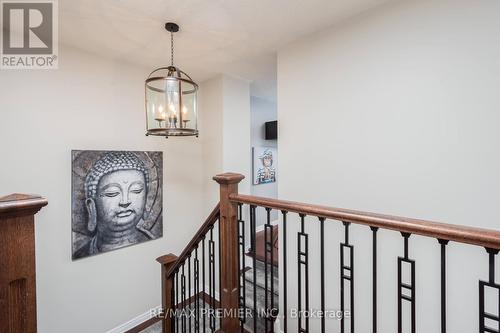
[171,108]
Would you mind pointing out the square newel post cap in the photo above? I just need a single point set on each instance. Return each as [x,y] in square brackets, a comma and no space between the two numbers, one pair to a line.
[21,204]
[229,178]
[167,259]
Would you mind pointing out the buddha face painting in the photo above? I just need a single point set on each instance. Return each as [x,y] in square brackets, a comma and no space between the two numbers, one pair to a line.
[119,202]
[116,194]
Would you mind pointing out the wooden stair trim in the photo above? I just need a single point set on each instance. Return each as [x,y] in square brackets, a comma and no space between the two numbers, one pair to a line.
[142,326]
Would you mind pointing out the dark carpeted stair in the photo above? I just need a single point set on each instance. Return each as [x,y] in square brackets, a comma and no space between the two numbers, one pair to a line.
[260,300]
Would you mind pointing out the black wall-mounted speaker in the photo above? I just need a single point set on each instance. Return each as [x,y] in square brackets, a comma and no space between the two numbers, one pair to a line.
[272,130]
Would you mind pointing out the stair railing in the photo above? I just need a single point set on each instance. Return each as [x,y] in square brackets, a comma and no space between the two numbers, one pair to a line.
[188,303]
[232,247]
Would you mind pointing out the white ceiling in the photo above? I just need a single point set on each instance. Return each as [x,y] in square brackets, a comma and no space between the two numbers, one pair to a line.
[237,37]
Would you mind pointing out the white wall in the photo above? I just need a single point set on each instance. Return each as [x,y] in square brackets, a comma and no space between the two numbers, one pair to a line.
[396,111]
[211,124]
[90,103]
[225,133]
[236,129]
[262,111]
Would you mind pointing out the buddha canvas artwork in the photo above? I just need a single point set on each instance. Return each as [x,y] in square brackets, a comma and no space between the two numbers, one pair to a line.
[116,200]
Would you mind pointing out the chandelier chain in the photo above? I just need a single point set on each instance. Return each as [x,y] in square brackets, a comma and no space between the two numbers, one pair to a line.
[171,49]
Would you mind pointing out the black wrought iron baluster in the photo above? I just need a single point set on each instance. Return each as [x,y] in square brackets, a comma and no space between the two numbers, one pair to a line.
[183,287]
[405,286]
[268,248]
[374,278]
[176,307]
[241,267]
[322,258]
[285,289]
[220,269]
[196,290]
[173,323]
[483,314]
[303,262]
[189,300]
[271,249]
[203,282]
[443,243]
[211,279]
[346,274]
[253,226]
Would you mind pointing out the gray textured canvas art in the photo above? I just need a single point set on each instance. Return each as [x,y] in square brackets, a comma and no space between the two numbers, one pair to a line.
[116,200]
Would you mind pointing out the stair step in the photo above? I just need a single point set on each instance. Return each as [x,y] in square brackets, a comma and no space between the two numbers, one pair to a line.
[261,325]
[260,298]
[260,305]
[260,272]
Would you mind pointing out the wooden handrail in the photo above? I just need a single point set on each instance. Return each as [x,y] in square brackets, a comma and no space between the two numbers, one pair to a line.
[462,234]
[209,222]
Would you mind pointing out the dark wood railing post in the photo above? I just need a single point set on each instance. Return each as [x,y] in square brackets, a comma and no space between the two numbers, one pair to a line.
[17,262]
[167,283]
[229,247]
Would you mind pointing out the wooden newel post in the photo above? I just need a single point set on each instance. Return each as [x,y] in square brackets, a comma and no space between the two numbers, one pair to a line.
[229,247]
[17,262]
[167,284]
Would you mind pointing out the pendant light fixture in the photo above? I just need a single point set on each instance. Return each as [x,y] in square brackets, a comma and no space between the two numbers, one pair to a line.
[171,98]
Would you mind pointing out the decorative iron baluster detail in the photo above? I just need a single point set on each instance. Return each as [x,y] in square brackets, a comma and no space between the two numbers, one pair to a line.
[303,262]
[253,226]
[211,278]
[203,282]
[443,243]
[189,293]
[196,290]
[322,255]
[220,271]
[374,279]
[171,308]
[346,274]
[268,252]
[406,286]
[176,307]
[241,266]
[285,289]
[483,314]
[183,288]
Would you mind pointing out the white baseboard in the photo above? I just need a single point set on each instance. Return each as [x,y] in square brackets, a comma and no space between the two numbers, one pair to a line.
[145,316]
[135,321]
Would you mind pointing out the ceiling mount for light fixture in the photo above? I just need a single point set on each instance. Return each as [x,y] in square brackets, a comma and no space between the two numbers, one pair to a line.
[171,27]
[171,98]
